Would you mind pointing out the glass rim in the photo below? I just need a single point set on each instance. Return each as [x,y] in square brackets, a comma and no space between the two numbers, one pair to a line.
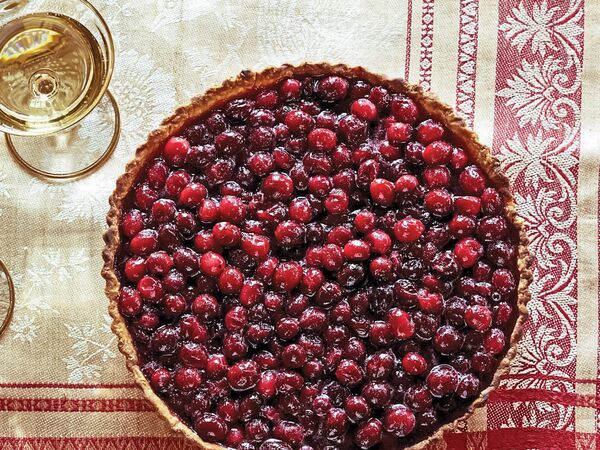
[110,61]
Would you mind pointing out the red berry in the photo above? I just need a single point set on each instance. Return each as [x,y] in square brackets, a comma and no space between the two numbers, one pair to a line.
[408,229]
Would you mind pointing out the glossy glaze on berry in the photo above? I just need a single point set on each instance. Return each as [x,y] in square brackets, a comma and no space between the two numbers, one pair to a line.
[317,266]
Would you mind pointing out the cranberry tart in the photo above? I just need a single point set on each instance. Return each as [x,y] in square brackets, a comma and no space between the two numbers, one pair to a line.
[315,257]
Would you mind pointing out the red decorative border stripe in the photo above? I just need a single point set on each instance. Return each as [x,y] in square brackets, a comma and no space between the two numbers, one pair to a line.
[69,385]
[538,395]
[467,59]
[73,405]
[105,443]
[426,56]
[521,438]
[409,10]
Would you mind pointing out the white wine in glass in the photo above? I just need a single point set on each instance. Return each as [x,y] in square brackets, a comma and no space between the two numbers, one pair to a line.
[56,61]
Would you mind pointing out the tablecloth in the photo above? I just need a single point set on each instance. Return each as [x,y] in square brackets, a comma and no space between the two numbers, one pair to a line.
[524,73]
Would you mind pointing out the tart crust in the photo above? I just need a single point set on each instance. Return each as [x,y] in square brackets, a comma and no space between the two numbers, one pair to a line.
[247,82]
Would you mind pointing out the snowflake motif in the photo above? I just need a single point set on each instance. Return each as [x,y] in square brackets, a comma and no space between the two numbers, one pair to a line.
[145,94]
[93,345]
[23,328]
[538,160]
[4,192]
[55,267]
[539,93]
[542,30]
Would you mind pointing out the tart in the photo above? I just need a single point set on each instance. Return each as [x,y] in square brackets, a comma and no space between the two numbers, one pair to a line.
[315,257]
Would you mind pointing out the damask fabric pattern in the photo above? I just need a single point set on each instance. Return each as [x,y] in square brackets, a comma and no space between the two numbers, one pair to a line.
[523,72]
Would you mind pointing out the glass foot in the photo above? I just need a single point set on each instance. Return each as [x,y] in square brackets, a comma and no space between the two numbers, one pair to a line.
[74,152]
[7,298]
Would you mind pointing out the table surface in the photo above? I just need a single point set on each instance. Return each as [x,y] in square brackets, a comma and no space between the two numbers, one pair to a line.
[524,73]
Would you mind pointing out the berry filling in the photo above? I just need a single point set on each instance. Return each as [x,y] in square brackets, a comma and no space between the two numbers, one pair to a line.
[317,265]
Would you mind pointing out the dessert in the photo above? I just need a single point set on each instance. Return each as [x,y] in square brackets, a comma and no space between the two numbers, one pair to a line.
[315,257]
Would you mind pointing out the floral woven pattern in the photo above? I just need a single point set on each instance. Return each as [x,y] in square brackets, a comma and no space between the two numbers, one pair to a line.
[523,72]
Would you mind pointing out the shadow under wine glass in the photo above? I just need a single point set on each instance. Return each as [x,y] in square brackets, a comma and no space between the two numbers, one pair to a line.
[56,62]
[7,298]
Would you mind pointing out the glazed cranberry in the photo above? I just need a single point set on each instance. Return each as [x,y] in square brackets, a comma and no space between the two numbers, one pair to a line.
[287,276]
[290,89]
[150,288]
[492,228]
[332,88]
[400,323]
[483,363]
[467,205]
[468,251]
[414,364]
[369,434]
[335,423]
[175,151]
[176,182]
[232,209]
[348,372]
[447,340]
[461,226]
[293,356]
[478,317]
[439,202]
[205,307]
[442,380]
[187,378]
[331,257]
[500,253]
[468,386]
[130,302]
[186,261]
[278,186]
[436,177]
[210,427]
[408,229]
[353,130]
[472,181]
[298,121]
[398,133]
[429,131]
[494,341]
[132,223]
[364,109]
[135,268]
[157,173]
[404,109]
[406,184]
[313,319]
[503,281]
[321,140]
[212,263]
[243,375]
[382,192]
[144,242]
[226,234]
[399,420]
[289,432]
[290,233]
[230,281]
[337,202]
[459,159]
[491,202]
[160,379]
[380,365]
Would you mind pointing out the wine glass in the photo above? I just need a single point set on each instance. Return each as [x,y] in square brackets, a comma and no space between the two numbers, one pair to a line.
[56,62]
[7,297]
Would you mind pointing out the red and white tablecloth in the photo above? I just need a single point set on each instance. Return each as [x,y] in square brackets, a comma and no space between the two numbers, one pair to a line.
[524,73]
